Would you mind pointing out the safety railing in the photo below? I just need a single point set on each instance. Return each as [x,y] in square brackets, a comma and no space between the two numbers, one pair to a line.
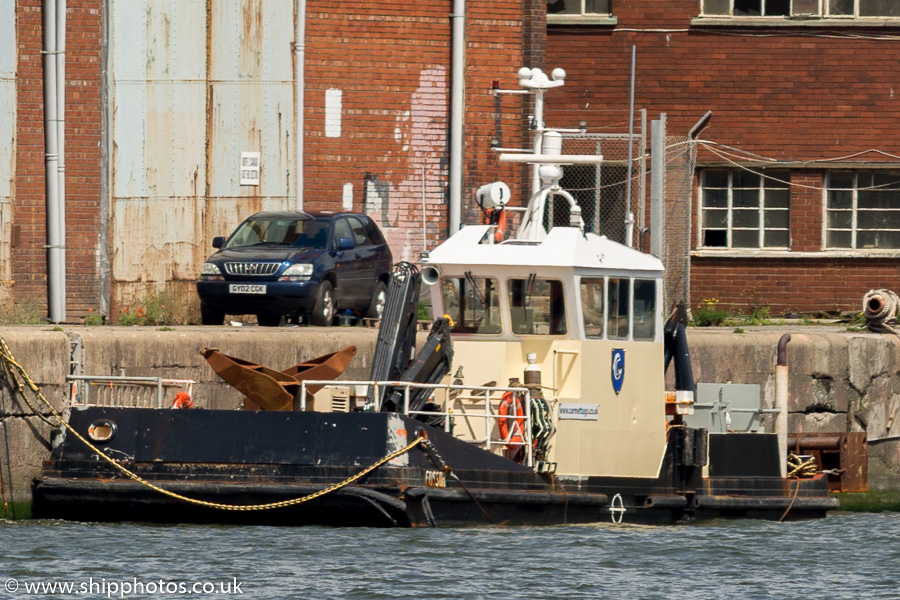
[123,391]
[479,403]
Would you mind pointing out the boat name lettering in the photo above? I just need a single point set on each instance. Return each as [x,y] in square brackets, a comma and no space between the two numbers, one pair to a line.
[583,412]
[435,479]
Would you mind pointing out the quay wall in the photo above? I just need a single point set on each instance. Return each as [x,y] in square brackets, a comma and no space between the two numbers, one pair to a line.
[839,381]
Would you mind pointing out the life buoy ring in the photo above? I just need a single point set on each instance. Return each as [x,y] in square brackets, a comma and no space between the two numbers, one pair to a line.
[511,412]
[183,400]
[501,227]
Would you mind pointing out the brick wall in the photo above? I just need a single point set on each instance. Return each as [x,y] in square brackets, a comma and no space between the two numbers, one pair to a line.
[82,158]
[786,93]
[391,62]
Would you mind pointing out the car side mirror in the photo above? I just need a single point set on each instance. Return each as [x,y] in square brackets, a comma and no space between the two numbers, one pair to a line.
[218,241]
[346,244]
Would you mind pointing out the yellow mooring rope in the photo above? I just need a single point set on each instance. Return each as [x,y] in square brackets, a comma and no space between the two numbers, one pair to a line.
[10,365]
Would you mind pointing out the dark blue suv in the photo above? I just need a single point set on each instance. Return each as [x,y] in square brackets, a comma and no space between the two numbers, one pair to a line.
[296,264]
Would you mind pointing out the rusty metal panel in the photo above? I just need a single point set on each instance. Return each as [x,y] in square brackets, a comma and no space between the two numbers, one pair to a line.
[8,56]
[187,97]
[252,99]
[157,50]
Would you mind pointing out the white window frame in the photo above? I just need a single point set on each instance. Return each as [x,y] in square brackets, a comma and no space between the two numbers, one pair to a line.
[855,211]
[730,208]
[797,9]
[583,13]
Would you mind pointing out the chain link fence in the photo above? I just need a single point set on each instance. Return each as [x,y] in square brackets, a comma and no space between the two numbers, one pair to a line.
[602,191]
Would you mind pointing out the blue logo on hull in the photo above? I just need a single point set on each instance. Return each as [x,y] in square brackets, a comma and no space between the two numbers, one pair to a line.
[618,369]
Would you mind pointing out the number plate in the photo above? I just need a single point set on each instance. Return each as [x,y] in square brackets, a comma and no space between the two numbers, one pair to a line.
[246,288]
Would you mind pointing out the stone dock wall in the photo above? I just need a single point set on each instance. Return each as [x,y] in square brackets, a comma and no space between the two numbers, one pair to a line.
[839,381]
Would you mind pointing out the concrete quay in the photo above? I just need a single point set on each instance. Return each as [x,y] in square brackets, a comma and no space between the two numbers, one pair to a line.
[839,380]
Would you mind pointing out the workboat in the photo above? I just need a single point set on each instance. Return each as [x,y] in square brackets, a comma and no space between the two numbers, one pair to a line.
[539,397]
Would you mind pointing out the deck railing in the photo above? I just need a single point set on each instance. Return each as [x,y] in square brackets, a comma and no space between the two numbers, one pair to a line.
[480,403]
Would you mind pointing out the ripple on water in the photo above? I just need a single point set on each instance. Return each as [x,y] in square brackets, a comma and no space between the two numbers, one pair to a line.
[843,556]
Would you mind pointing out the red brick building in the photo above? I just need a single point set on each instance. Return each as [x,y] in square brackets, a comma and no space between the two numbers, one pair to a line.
[793,205]
[163,98]
[796,200]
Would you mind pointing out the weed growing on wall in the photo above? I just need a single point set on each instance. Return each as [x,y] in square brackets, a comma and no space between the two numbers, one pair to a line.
[162,308]
[708,314]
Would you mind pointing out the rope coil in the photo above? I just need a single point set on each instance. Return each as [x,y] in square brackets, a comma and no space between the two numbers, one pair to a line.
[12,367]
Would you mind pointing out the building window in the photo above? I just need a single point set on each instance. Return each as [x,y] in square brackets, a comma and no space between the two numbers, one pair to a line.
[577,7]
[862,210]
[805,8]
[740,209]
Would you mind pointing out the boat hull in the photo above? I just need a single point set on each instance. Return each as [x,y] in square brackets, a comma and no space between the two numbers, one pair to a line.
[241,458]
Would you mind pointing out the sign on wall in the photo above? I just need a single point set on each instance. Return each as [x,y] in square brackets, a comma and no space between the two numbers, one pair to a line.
[249,168]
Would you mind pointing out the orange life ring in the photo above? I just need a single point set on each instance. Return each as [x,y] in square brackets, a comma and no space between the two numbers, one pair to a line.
[183,400]
[501,227]
[510,405]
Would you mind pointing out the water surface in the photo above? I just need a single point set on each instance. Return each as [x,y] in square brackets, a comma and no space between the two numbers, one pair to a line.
[843,556]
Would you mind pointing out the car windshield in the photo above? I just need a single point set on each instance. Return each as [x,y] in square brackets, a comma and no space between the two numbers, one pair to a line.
[285,231]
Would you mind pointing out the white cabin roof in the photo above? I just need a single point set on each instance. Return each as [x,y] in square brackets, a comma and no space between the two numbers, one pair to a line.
[563,247]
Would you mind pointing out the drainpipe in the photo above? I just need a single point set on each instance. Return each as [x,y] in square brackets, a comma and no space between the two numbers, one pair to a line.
[51,167]
[457,111]
[61,146]
[781,401]
[299,66]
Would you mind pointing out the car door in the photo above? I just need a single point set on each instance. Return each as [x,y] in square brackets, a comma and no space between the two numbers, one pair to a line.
[347,265]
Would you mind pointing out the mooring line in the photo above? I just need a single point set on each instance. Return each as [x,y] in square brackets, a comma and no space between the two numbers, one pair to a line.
[10,364]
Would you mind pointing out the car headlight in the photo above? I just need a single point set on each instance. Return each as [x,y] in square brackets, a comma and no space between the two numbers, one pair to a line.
[298,272]
[210,271]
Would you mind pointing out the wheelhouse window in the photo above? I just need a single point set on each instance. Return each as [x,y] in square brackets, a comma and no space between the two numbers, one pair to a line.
[619,303]
[473,303]
[592,306]
[740,209]
[644,309]
[805,8]
[577,7]
[862,210]
[537,306]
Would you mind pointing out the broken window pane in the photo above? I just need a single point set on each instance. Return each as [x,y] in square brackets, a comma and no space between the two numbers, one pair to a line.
[778,8]
[747,8]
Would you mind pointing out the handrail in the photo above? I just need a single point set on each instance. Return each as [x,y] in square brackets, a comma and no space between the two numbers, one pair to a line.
[160,383]
[489,416]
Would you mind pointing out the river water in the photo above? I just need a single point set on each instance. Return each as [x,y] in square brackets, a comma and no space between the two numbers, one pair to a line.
[844,556]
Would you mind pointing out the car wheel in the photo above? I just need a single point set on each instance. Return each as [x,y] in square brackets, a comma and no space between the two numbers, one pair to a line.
[210,315]
[323,311]
[379,300]
[268,320]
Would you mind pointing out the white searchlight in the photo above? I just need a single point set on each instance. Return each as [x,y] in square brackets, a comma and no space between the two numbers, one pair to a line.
[493,195]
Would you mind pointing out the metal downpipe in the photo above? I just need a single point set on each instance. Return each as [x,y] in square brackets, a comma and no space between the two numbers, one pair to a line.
[61,147]
[51,160]
[457,112]
[300,75]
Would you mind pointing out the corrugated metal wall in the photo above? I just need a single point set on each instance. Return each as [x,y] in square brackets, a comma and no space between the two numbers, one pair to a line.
[193,84]
[8,56]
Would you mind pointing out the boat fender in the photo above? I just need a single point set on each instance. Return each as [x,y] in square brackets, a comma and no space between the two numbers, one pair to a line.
[511,413]
[183,400]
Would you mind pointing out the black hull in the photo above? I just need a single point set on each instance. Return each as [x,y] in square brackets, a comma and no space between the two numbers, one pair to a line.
[245,458]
